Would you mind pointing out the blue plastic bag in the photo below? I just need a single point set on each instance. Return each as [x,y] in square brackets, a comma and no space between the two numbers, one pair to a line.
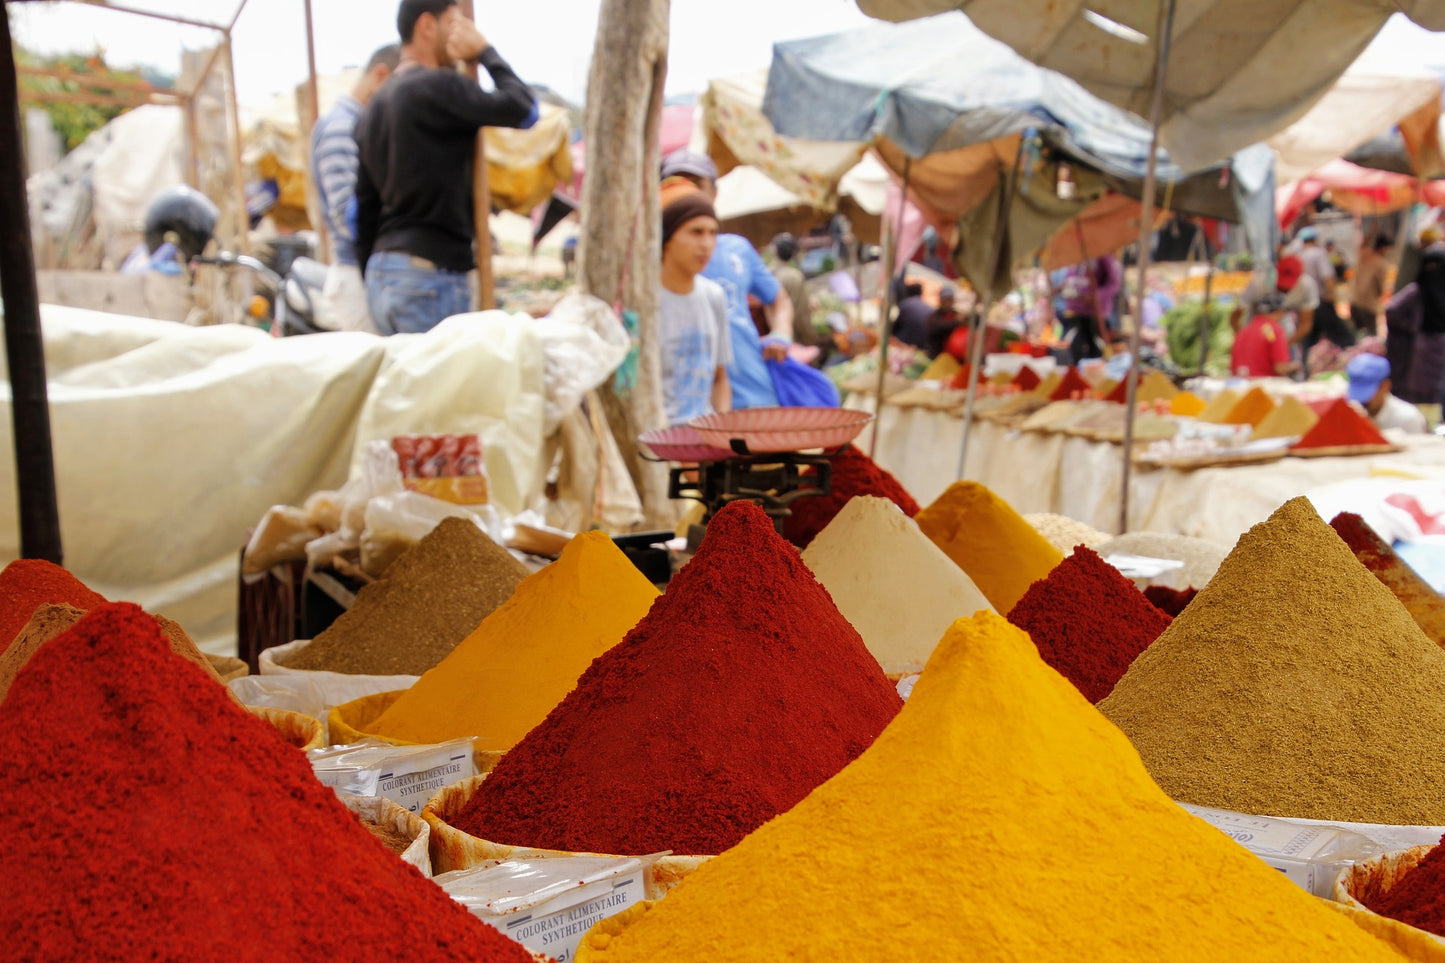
[799,386]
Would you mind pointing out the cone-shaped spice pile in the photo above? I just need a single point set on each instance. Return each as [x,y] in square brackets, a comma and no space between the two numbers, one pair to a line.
[1019,825]
[740,692]
[1279,695]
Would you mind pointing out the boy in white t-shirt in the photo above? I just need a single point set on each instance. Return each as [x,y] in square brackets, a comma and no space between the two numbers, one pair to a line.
[696,346]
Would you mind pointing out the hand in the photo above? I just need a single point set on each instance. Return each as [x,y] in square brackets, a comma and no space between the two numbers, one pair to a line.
[775,351]
[464,41]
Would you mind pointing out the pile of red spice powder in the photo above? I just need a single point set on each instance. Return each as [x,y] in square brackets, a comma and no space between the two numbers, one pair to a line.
[1088,621]
[1426,606]
[146,817]
[1418,897]
[740,692]
[1072,383]
[1341,426]
[28,583]
[1027,379]
[1170,601]
[854,473]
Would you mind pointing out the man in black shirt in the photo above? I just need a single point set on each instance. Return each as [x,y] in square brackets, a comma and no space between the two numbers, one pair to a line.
[417,137]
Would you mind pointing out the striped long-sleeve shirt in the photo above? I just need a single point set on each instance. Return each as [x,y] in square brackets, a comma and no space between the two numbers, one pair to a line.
[333,166]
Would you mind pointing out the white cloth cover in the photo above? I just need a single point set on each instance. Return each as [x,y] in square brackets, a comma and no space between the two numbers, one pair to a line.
[171,441]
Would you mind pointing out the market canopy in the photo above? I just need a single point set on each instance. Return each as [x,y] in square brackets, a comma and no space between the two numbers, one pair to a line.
[1241,70]
[943,98]
[1359,190]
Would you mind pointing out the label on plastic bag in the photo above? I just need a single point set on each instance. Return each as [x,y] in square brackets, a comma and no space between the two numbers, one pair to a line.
[408,775]
[1309,856]
[548,904]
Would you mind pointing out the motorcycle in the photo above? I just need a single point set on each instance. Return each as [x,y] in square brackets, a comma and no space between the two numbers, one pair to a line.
[294,298]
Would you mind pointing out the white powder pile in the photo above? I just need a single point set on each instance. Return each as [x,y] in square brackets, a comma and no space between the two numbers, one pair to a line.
[887,578]
[1064,533]
[1201,558]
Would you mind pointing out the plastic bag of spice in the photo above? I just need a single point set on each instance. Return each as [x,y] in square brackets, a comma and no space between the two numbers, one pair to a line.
[399,829]
[335,688]
[452,849]
[407,775]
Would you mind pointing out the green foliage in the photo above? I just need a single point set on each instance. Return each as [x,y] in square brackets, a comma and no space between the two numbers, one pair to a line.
[75,122]
[1182,329]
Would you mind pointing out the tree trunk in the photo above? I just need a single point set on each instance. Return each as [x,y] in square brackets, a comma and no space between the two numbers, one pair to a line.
[619,252]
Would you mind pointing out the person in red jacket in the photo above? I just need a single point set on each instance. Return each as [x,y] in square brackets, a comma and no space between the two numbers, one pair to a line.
[1261,348]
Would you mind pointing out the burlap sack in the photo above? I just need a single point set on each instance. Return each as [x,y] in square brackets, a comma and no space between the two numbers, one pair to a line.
[303,732]
[1374,877]
[381,811]
[351,721]
[452,849]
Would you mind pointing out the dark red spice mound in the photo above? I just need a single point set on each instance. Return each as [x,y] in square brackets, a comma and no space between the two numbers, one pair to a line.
[854,473]
[1368,547]
[28,583]
[1027,379]
[1170,601]
[1418,897]
[1088,621]
[146,817]
[1072,383]
[740,692]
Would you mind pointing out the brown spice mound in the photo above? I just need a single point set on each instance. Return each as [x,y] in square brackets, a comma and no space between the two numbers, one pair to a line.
[390,838]
[1425,604]
[1274,694]
[48,621]
[432,597]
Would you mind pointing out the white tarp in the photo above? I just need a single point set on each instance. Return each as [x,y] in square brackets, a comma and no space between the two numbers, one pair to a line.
[171,441]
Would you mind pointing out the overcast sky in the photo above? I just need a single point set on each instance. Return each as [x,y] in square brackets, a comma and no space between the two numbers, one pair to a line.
[547,42]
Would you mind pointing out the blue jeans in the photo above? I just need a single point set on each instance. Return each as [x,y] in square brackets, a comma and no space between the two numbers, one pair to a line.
[407,299]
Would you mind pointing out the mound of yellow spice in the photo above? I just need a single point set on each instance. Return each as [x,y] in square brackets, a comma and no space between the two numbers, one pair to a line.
[525,657]
[1000,552]
[998,817]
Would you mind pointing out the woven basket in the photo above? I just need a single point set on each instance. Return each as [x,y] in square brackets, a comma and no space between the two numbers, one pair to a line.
[1374,877]
[301,731]
[391,814]
[452,849]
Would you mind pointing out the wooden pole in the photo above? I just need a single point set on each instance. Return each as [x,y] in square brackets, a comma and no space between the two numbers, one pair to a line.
[24,346]
[238,174]
[172,18]
[193,147]
[1162,37]
[886,328]
[975,341]
[313,111]
[481,199]
[619,256]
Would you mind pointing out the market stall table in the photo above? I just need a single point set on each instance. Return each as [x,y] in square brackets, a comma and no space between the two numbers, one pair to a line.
[1080,478]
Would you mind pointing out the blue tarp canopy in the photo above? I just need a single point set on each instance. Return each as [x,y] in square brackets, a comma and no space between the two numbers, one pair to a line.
[939,84]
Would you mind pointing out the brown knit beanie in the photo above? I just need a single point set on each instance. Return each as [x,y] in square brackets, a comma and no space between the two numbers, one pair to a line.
[681,202]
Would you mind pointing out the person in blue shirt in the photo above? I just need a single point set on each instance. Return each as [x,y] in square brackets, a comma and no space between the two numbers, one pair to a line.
[333,169]
[737,267]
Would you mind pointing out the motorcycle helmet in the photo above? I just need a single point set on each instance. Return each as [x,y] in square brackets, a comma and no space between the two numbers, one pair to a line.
[184,212]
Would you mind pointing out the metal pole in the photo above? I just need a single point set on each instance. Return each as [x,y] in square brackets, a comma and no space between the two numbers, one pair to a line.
[975,341]
[172,18]
[243,225]
[887,330]
[24,346]
[1162,37]
[481,200]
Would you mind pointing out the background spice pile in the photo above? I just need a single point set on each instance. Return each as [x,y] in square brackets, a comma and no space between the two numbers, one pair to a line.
[432,597]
